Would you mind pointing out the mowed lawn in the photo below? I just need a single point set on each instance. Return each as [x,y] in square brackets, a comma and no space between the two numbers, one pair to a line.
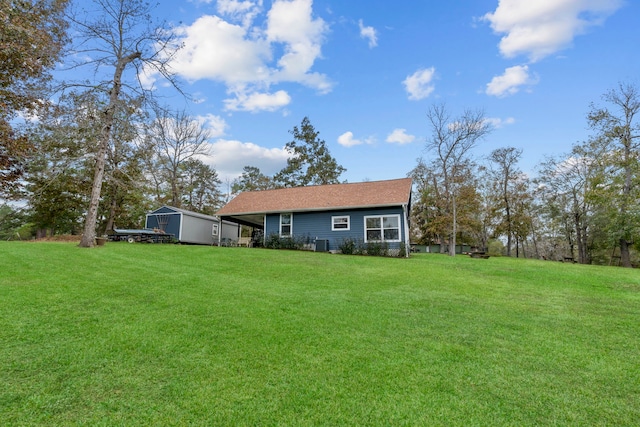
[143,334]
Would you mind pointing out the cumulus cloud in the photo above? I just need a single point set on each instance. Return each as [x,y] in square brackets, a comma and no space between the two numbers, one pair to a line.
[368,33]
[347,140]
[400,136]
[543,27]
[255,102]
[290,23]
[419,85]
[216,125]
[249,56]
[238,59]
[511,81]
[229,157]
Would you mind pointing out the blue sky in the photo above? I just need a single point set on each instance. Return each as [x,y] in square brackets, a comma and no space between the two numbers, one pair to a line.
[365,72]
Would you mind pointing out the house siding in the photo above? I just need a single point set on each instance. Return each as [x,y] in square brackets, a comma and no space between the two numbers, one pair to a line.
[317,225]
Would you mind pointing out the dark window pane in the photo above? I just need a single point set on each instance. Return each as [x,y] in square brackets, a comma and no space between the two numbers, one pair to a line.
[374,235]
[391,234]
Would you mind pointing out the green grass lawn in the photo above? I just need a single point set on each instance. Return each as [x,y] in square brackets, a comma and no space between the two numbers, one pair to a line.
[140,334]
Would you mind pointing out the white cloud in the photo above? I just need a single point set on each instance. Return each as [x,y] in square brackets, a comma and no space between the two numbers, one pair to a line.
[290,23]
[238,59]
[347,140]
[368,33]
[497,122]
[419,85]
[400,136]
[255,102]
[229,157]
[543,27]
[250,56]
[242,11]
[511,81]
[215,124]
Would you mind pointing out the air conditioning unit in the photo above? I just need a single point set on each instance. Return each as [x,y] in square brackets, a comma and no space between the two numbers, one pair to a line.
[322,245]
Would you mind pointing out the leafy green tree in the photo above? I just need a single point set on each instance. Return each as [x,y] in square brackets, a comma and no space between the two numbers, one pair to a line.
[12,220]
[311,162]
[200,187]
[619,128]
[32,36]
[57,178]
[431,214]
[252,179]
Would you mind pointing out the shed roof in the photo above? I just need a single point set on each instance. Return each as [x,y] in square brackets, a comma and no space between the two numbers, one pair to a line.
[164,208]
[394,192]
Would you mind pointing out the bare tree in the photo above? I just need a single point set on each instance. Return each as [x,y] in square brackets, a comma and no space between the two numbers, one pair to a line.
[505,174]
[451,141]
[177,138]
[113,37]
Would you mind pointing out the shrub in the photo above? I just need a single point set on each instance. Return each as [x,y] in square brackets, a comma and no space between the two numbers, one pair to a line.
[275,241]
[377,248]
[348,246]
[496,248]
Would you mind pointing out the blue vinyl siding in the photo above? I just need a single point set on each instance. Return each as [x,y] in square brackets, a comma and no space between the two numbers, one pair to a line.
[317,225]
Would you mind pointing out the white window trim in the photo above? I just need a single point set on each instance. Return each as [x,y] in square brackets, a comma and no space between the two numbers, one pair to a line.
[333,223]
[215,229]
[290,224]
[382,217]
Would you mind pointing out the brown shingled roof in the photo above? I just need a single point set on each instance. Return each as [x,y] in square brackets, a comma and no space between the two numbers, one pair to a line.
[394,192]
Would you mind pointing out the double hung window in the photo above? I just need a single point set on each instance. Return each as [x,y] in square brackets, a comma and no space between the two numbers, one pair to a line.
[382,228]
[286,223]
[340,223]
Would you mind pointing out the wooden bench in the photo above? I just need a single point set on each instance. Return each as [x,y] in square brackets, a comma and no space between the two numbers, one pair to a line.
[244,241]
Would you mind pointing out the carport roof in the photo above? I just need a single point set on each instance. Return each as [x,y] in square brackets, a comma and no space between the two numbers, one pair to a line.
[395,192]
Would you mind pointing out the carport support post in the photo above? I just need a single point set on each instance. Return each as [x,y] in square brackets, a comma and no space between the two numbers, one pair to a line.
[407,246]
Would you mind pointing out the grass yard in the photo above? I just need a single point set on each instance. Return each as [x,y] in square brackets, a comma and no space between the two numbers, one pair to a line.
[136,334]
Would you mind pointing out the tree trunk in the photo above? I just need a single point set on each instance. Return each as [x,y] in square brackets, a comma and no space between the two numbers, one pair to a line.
[89,233]
[625,256]
[112,215]
[579,238]
[454,228]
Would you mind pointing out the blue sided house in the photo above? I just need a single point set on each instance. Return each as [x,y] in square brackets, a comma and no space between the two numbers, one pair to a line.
[326,215]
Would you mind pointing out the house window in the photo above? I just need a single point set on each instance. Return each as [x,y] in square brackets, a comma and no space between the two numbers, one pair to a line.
[382,228]
[340,223]
[214,230]
[285,224]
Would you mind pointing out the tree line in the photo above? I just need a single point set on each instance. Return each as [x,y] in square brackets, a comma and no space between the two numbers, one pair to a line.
[583,205]
[82,156]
